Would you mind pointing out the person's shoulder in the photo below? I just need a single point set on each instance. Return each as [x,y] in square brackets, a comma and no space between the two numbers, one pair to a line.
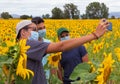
[35,43]
[32,42]
[81,47]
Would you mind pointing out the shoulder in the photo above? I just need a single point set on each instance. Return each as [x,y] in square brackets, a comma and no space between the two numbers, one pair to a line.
[81,47]
[36,43]
[31,42]
[82,50]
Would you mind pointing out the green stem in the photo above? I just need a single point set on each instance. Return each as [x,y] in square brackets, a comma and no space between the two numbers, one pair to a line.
[9,76]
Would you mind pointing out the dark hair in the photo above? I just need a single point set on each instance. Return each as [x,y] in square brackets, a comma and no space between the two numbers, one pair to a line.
[19,35]
[37,20]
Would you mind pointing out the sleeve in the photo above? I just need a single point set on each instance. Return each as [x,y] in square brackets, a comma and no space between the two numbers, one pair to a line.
[82,51]
[37,50]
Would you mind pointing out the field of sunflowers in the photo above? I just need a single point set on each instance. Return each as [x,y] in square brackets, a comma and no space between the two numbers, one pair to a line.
[104,54]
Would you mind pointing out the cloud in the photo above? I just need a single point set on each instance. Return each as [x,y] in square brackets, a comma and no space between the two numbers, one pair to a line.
[39,7]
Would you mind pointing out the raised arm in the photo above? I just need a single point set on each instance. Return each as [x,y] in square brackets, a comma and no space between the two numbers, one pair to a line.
[72,43]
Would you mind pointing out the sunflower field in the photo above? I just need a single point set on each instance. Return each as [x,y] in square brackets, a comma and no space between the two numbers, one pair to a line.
[104,53]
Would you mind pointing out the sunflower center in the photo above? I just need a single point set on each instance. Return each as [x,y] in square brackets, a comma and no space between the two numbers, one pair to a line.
[55,58]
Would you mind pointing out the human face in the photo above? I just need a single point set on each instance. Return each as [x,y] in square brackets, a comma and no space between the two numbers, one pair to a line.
[41,30]
[27,33]
[63,35]
[41,26]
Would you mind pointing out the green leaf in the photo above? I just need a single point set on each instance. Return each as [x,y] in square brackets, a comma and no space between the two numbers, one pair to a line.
[54,80]
[82,70]
[19,80]
[5,60]
[46,66]
[90,76]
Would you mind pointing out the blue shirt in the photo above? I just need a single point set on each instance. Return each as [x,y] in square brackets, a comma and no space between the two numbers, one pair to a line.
[70,59]
[44,60]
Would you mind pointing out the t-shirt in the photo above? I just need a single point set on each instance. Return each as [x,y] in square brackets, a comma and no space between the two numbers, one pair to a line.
[34,60]
[70,59]
[44,60]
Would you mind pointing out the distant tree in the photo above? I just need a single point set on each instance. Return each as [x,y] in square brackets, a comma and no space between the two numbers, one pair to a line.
[30,16]
[71,11]
[24,16]
[5,15]
[95,10]
[57,13]
[84,16]
[112,17]
[43,16]
[46,16]
[10,16]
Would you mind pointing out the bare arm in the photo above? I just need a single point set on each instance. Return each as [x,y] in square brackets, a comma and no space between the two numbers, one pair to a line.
[72,43]
[68,44]
[59,72]
[85,58]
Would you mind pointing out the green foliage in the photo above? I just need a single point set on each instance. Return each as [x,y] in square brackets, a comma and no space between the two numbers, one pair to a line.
[95,10]
[84,16]
[113,17]
[5,15]
[54,79]
[46,16]
[2,77]
[24,17]
[71,11]
[57,13]
[83,71]
[19,80]
[10,61]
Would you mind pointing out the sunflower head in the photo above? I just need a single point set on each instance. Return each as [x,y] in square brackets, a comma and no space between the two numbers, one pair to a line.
[54,59]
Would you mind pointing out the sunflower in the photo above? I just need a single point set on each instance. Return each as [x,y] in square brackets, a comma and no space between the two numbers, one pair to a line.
[21,67]
[105,69]
[95,48]
[54,59]
[92,69]
[117,51]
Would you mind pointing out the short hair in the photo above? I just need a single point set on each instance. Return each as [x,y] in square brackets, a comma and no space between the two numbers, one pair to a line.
[37,20]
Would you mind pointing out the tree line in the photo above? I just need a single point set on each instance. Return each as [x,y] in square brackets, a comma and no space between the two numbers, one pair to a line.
[94,10]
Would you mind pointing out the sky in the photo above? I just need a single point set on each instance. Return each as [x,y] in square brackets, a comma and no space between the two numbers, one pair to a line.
[40,7]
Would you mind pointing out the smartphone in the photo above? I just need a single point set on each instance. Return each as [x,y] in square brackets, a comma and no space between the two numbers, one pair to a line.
[110,26]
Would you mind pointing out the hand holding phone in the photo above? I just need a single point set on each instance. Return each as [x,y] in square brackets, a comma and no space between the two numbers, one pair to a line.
[110,26]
